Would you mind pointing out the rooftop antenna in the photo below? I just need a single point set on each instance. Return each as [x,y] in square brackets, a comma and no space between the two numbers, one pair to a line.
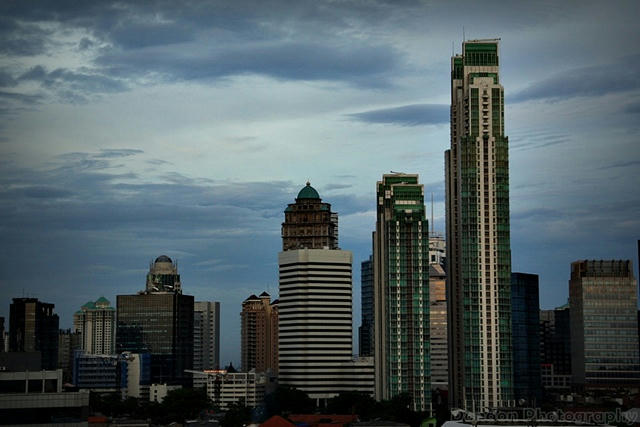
[452,49]
[463,37]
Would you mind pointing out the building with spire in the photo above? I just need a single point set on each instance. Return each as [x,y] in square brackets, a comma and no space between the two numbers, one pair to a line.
[259,334]
[159,321]
[478,240]
[96,323]
[401,291]
[315,315]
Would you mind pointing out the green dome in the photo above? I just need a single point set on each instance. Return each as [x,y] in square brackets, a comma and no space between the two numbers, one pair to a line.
[308,192]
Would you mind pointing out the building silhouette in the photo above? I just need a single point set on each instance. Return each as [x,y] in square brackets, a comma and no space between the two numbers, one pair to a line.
[401,291]
[315,332]
[34,327]
[96,322]
[259,334]
[525,325]
[159,322]
[603,296]
[478,241]
[555,348]
[365,331]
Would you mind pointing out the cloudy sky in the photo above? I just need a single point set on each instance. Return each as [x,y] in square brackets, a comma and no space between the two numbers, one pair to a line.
[130,130]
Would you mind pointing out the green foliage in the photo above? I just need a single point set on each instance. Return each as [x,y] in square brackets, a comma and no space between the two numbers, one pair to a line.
[288,400]
[237,415]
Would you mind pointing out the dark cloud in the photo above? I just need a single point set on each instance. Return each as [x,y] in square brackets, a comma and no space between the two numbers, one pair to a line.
[20,97]
[407,115]
[620,76]
[622,164]
[73,83]
[111,153]
[536,139]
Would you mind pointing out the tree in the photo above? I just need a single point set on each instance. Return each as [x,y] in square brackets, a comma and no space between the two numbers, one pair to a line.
[237,415]
[288,400]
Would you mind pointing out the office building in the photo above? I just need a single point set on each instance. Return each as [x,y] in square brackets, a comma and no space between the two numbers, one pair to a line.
[478,241]
[163,276]
[438,327]
[259,334]
[555,348]
[401,291]
[365,332]
[96,322]
[315,329]
[603,296]
[525,325]
[437,250]
[160,323]
[206,335]
[97,372]
[226,388]
[34,327]
[309,223]
[68,343]
[135,375]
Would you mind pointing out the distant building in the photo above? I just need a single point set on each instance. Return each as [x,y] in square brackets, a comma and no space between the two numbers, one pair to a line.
[161,323]
[401,291]
[315,317]
[365,331]
[437,250]
[525,326]
[68,343]
[135,375]
[309,223]
[96,372]
[34,327]
[206,335]
[555,348]
[1,334]
[259,334]
[247,388]
[438,326]
[157,392]
[96,322]
[603,296]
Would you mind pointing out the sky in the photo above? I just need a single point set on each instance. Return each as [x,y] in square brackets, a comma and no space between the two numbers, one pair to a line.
[134,129]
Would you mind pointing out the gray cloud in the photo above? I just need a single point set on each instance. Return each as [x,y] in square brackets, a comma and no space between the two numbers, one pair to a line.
[622,164]
[110,153]
[620,76]
[406,115]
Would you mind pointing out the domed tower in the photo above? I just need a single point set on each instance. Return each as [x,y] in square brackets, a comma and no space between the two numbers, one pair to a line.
[163,276]
[309,223]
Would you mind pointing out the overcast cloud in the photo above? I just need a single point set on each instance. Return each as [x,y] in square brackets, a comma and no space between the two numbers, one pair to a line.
[134,129]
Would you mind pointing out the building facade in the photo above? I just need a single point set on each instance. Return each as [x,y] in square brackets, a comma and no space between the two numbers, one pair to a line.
[401,291]
[315,316]
[206,335]
[555,348]
[525,325]
[438,327]
[478,240]
[603,296]
[259,334]
[159,323]
[248,388]
[365,331]
[68,343]
[96,323]
[34,327]
[163,276]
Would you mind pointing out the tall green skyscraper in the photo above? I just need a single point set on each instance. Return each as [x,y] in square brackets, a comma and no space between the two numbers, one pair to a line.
[401,291]
[478,242]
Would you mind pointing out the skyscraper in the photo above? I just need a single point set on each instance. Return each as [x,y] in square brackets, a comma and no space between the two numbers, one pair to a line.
[315,348]
[159,322]
[34,327]
[96,322]
[438,327]
[525,325]
[401,291]
[365,332]
[259,336]
[478,242]
[206,335]
[603,296]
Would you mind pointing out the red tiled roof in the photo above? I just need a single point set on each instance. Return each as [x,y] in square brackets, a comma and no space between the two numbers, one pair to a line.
[277,421]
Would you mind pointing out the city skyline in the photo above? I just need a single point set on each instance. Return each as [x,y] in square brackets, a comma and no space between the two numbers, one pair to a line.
[108,161]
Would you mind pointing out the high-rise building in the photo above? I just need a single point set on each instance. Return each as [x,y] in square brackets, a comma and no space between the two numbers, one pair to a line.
[401,291]
[603,296]
[161,323]
[206,335]
[478,241]
[96,322]
[365,332]
[309,223]
[438,326]
[525,325]
[555,348]
[315,347]
[259,334]
[69,342]
[34,327]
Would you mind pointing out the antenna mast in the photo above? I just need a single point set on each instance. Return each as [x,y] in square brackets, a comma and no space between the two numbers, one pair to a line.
[432,229]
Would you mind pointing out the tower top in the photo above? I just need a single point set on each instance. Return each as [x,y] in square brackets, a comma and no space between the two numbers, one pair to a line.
[308,192]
